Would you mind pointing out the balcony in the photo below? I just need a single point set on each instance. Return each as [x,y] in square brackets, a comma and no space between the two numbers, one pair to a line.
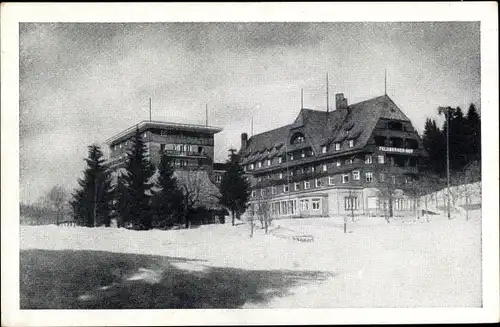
[176,153]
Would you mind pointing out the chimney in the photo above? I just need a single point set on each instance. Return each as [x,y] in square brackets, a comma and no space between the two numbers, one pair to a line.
[244,140]
[340,101]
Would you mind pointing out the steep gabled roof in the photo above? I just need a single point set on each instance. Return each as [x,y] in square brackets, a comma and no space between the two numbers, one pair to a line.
[322,128]
[266,140]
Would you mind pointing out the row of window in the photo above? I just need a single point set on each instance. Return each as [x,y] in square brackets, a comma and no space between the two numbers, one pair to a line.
[323,167]
[183,148]
[303,154]
[306,185]
[338,163]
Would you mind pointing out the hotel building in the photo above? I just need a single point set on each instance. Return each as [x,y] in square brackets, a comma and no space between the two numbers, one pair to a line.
[333,163]
[191,148]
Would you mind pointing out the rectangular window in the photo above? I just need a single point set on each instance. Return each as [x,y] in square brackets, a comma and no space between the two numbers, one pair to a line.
[254,194]
[339,163]
[303,154]
[281,175]
[307,185]
[381,177]
[351,143]
[349,161]
[274,190]
[218,178]
[368,159]
[325,168]
[316,204]
[313,169]
[260,164]
[285,188]
[162,147]
[318,182]
[269,162]
[393,179]
[120,145]
[345,178]
[355,175]
[297,186]
[337,146]
[280,160]
[259,180]
[291,156]
[331,180]
[252,166]
[351,202]
[284,210]
[304,205]
[262,192]
[369,177]
[323,149]
[380,158]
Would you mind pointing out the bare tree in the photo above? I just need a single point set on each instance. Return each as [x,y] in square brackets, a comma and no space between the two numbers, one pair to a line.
[264,213]
[58,197]
[251,219]
[198,192]
[471,174]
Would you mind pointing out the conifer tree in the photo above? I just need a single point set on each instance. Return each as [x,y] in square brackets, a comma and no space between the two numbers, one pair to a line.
[234,189]
[168,200]
[137,178]
[435,143]
[473,135]
[91,201]
[457,139]
[121,202]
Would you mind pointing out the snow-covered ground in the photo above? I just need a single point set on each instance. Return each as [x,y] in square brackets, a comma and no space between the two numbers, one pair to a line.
[375,264]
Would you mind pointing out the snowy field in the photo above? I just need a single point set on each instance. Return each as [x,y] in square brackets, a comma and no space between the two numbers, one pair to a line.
[375,264]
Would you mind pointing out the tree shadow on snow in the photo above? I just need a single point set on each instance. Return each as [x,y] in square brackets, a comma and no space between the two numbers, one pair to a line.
[70,279]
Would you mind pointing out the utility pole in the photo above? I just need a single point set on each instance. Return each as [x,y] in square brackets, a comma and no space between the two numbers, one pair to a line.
[327,95]
[149,109]
[302,98]
[95,201]
[385,82]
[446,112]
[448,158]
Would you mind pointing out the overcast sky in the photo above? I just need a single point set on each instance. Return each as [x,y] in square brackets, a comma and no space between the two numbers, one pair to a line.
[82,83]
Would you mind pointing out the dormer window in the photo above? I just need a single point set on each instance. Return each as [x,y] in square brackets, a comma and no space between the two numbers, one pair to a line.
[280,160]
[269,162]
[260,164]
[351,143]
[323,149]
[297,138]
[252,166]
[337,146]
